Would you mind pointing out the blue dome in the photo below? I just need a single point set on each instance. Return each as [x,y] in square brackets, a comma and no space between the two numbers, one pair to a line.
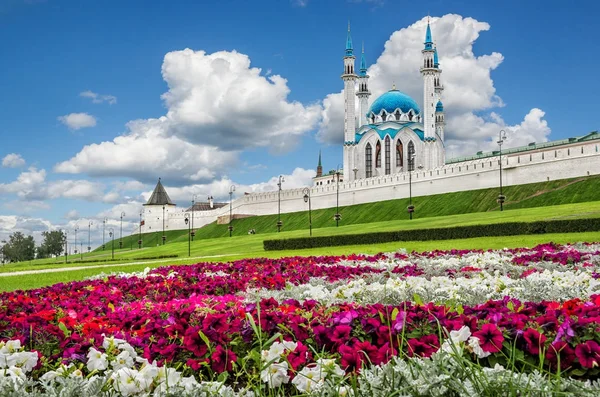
[392,100]
[439,107]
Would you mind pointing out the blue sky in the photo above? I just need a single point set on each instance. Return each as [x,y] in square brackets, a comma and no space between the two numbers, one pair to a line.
[55,50]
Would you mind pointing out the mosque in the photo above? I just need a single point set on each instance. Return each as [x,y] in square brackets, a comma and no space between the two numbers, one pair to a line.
[393,149]
[393,134]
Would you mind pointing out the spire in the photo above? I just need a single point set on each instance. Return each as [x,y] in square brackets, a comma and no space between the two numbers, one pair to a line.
[159,196]
[349,50]
[363,63]
[319,165]
[436,63]
[428,41]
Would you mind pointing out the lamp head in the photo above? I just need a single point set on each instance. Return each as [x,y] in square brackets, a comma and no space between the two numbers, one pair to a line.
[186,220]
[306,198]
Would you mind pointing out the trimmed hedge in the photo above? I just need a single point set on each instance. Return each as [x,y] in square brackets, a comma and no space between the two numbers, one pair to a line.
[449,233]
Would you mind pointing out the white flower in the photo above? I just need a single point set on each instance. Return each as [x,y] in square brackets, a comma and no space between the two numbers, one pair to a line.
[277,350]
[16,373]
[308,379]
[344,391]
[111,341]
[474,344]
[275,374]
[97,361]
[10,347]
[461,335]
[167,379]
[329,366]
[189,383]
[126,381]
[123,360]
[49,376]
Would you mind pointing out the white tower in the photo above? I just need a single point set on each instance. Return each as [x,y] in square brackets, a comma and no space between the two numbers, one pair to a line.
[363,90]
[349,107]
[431,75]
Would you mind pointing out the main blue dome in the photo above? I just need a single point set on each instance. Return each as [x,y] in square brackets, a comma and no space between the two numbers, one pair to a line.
[392,100]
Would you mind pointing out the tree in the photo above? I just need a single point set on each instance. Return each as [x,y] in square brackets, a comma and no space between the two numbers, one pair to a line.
[53,244]
[19,248]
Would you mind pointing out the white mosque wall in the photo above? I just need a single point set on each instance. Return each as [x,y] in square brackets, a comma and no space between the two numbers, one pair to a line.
[568,161]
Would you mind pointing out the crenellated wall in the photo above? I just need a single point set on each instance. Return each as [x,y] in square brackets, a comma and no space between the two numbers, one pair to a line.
[566,161]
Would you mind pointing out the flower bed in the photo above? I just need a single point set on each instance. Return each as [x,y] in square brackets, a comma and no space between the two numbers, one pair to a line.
[466,321]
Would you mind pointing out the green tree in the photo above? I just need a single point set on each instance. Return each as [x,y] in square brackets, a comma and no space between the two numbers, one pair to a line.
[19,248]
[53,244]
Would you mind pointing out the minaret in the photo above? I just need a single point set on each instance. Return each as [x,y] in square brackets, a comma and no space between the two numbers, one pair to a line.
[319,167]
[430,74]
[436,82]
[349,105]
[439,120]
[363,90]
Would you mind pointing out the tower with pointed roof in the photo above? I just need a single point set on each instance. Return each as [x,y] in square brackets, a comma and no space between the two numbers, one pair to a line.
[319,167]
[349,78]
[157,209]
[363,90]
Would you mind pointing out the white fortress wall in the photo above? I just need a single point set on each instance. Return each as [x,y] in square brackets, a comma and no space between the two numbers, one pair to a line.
[568,161]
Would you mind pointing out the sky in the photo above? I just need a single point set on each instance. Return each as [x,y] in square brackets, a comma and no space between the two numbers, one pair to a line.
[101,98]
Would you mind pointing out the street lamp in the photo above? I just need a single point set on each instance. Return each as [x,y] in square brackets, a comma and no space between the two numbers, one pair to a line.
[188,224]
[231,190]
[66,245]
[306,192]
[111,234]
[76,229]
[164,238]
[501,139]
[193,209]
[140,238]
[103,230]
[411,166]
[337,215]
[279,223]
[121,237]
[90,223]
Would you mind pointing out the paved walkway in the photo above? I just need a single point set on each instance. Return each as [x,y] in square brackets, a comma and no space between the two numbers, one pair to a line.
[67,269]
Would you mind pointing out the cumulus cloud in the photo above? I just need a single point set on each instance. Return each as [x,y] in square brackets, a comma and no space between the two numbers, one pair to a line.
[77,121]
[26,225]
[469,94]
[217,105]
[98,98]
[71,215]
[13,160]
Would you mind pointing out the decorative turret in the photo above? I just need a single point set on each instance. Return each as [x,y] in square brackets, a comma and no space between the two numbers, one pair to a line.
[431,84]
[363,90]
[349,79]
[428,41]
[436,62]
[319,167]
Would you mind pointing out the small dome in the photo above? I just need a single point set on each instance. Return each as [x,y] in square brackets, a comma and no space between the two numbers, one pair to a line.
[439,107]
[392,100]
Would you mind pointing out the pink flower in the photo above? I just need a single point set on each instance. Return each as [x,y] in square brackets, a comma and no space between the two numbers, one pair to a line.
[222,360]
[424,346]
[534,340]
[588,354]
[490,338]
[560,350]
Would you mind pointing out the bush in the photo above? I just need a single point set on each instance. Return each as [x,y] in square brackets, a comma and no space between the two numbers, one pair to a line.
[450,233]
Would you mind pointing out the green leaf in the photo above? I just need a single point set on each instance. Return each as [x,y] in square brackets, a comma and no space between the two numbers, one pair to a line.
[417,299]
[395,313]
[510,306]
[64,329]
[205,340]
[111,307]
[460,309]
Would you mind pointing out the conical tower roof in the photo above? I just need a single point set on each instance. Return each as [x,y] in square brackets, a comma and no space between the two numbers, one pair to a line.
[159,196]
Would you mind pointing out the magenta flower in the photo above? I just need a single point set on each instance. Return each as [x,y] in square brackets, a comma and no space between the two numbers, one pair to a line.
[560,351]
[534,340]
[588,354]
[490,338]
[222,360]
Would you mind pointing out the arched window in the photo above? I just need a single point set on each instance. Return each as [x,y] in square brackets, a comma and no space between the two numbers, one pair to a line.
[372,119]
[383,115]
[388,164]
[397,115]
[378,155]
[399,154]
[410,115]
[411,153]
[368,161]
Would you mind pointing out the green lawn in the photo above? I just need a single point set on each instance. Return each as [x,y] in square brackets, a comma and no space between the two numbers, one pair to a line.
[10,283]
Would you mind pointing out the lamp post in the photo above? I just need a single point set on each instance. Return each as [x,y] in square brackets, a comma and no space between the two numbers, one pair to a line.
[66,245]
[164,238]
[337,215]
[501,197]
[193,209]
[121,236]
[76,229]
[411,166]
[90,223]
[188,224]
[103,230]
[140,238]
[306,192]
[111,234]
[279,223]
[231,190]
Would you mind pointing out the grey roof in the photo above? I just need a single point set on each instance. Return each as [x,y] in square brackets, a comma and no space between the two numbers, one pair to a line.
[159,196]
[206,206]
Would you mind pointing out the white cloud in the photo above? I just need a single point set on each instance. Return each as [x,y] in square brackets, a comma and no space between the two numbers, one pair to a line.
[300,3]
[99,98]
[217,105]
[26,207]
[72,215]
[26,225]
[76,121]
[13,160]
[469,89]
